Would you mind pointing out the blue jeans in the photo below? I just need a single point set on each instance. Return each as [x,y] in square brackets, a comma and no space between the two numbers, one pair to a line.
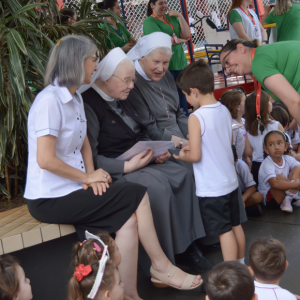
[182,99]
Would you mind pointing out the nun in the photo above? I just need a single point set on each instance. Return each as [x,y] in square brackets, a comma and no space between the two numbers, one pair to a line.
[155,94]
[113,127]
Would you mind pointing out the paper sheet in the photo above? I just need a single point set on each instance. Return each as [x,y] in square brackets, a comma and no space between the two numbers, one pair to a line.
[159,148]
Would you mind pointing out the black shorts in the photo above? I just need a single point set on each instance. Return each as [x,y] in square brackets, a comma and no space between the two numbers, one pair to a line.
[271,203]
[220,214]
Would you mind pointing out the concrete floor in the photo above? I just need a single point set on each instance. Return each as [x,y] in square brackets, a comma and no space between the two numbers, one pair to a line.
[274,224]
[49,265]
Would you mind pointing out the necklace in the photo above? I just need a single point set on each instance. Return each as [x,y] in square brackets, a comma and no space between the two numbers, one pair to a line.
[129,123]
[163,98]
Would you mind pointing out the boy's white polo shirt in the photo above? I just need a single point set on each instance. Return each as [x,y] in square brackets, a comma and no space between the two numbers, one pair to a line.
[272,292]
[55,112]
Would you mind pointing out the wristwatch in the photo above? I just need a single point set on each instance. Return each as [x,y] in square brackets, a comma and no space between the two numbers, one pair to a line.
[181,143]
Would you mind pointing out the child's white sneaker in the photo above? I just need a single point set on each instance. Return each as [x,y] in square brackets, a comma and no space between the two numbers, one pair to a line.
[286,205]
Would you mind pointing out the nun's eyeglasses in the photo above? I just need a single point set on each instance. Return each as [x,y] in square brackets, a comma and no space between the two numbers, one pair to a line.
[127,80]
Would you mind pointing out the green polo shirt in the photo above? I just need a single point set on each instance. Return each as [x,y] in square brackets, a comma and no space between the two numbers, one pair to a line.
[119,39]
[234,16]
[178,59]
[288,25]
[278,58]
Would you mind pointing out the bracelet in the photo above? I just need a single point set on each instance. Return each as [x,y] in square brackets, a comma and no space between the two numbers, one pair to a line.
[265,41]
[181,143]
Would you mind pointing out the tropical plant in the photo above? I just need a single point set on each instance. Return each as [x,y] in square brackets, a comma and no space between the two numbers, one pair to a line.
[28,30]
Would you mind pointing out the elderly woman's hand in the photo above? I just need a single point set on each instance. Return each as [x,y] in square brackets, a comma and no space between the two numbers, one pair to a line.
[162,159]
[139,161]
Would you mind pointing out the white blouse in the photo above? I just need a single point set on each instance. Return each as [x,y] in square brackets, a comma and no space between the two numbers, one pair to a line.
[55,112]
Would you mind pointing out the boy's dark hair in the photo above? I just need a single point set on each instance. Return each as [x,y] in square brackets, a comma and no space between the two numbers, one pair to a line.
[65,15]
[197,75]
[9,284]
[267,259]
[235,156]
[230,280]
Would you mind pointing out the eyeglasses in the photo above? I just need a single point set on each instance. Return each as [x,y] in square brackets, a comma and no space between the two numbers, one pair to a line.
[225,63]
[127,81]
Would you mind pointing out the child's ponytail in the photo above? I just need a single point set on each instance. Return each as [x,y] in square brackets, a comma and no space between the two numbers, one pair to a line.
[74,290]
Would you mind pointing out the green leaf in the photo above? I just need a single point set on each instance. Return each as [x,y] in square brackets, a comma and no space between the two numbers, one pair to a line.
[15,177]
[18,39]
[15,60]
[27,7]
[36,62]
[4,190]
[10,118]
[2,84]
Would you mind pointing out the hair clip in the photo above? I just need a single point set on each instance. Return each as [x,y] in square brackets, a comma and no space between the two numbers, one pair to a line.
[58,42]
[81,271]
[97,247]
[82,243]
[89,236]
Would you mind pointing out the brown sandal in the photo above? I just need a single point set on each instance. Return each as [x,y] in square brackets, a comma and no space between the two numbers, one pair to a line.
[163,280]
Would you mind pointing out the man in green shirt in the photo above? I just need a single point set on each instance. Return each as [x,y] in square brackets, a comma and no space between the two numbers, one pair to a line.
[287,19]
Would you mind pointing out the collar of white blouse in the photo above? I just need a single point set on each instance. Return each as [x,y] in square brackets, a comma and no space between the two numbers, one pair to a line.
[65,95]
[139,69]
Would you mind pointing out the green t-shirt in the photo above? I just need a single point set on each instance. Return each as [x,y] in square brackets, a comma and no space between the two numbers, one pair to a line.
[234,16]
[278,58]
[119,39]
[151,24]
[288,25]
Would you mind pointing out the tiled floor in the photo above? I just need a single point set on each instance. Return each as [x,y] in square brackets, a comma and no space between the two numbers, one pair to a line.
[48,265]
[18,230]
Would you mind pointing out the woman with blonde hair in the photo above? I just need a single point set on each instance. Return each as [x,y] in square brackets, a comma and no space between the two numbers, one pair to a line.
[244,23]
[286,15]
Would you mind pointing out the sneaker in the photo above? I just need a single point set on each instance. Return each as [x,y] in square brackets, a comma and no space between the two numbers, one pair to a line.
[254,211]
[286,205]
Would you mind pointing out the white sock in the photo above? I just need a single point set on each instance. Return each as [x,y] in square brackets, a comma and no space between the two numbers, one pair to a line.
[241,260]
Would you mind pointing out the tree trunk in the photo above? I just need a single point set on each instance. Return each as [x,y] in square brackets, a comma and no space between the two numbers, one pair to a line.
[7,182]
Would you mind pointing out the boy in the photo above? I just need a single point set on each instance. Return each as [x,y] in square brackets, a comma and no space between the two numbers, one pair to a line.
[267,262]
[230,280]
[251,197]
[210,136]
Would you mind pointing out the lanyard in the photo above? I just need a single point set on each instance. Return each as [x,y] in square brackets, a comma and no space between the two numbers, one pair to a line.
[249,15]
[257,86]
[168,23]
[119,32]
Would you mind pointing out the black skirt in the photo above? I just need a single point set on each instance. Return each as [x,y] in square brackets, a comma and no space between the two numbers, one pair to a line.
[86,211]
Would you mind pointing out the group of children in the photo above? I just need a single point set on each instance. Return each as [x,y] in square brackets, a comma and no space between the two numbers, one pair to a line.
[96,275]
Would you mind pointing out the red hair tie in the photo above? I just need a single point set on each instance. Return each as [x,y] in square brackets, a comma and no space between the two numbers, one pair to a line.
[81,271]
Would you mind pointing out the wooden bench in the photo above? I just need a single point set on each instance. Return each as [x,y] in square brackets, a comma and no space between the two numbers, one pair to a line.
[19,230]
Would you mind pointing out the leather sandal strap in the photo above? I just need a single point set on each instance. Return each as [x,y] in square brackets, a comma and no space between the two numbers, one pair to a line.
[164,278]
[187,284]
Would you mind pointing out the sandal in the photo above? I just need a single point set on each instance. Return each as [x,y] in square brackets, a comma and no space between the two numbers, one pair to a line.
[163,280]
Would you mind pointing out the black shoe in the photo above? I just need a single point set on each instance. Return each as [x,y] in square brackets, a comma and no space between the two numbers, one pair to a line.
[254,211]
[195,260]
